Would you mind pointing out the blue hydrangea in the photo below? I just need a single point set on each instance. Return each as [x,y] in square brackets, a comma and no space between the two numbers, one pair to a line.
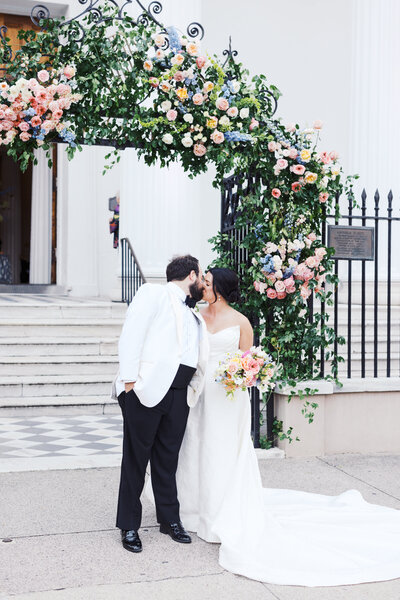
[174,42]
[30,112]
[237,136]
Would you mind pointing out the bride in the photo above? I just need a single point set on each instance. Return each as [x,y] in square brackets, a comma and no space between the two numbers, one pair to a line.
[278,536]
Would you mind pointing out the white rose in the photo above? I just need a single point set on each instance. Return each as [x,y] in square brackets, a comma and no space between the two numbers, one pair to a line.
[244,113]
[166,105]
[203,139]
[235,87]
[187,141]
[188,118]
[167,138]
[324,181]
[224,120]
[239,125]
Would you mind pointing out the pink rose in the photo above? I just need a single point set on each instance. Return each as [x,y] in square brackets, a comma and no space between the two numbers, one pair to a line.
[292,153]
[280,286]
[281,163]
[222,103]
[256,286]
[35,121]
[271,293]
[291,289]
[171,115]
[7,125]
[320,253]
[305,292]
[199,149]
[200,61]
[69,71]
[232,369]
[317,124]
[179,76]
[289,282]
[312,262]
[43,75]
[232,112]
[154,82]
[290,127]
[217,136]
[272,146]
[312,236]
[324,158]
[197,99]
[333,156]
[23,126]
[276,193]
[57,114]
[298,169]
[33,83]
[281,295]
[24,136]
[323,197]
[254,124]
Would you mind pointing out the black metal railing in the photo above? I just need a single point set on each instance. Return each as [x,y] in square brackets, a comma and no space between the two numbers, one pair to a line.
[234,189]
[131,274]
[363,302]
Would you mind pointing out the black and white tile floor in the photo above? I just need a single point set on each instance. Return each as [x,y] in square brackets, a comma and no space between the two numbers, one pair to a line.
[51,442]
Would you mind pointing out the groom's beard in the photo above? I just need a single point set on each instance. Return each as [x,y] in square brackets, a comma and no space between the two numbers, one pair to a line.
[196,291]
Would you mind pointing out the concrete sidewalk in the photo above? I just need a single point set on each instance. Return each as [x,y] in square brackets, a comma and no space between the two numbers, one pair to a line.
[65,546]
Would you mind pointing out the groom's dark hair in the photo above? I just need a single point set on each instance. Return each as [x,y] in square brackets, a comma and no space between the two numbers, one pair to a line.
[181,266]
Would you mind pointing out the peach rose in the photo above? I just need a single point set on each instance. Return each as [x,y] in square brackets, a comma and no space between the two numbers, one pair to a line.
[292,153]
[148,65]
[310,177]
[23,126]
[305,292]
[197,99]
[217,136]
[159,40]
[57,114]
[165,86]
[232,112]
[24,136]
[323,197]
[160,54]
[271,293]
[317,124]
[208,86]
[281,295]
[199,149]
[192,49]
[222,103]
[36,121]
[177,59]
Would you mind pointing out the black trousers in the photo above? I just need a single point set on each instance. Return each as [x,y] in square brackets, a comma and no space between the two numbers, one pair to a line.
[153,434]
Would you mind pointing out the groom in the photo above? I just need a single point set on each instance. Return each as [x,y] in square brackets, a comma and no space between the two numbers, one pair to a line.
[162,358]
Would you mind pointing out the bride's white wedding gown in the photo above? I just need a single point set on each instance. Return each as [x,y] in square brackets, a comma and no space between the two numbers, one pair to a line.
[273,535]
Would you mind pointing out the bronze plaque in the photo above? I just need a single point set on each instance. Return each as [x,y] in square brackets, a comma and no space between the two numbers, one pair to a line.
[351,243]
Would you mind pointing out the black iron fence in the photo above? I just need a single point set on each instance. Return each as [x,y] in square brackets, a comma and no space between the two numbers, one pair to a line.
[366,308]
[131,274]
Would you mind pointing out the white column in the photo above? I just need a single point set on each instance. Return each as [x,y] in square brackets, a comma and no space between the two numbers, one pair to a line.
[374,112]
[40,257]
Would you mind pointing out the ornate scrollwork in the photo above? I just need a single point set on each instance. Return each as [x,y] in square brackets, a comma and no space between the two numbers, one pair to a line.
[7,49]
[195,30]
[39,12]
[229,53]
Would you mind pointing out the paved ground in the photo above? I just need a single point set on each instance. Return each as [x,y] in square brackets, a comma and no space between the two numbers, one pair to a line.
[65,546]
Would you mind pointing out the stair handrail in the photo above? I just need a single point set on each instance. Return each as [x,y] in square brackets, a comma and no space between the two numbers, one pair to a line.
[132,276]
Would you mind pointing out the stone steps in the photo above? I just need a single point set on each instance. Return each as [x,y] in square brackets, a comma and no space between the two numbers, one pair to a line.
[17,328]
[58,365]
[59,346]
[55,385]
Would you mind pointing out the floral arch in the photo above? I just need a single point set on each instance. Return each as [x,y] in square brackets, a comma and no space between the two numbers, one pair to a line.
[105,78]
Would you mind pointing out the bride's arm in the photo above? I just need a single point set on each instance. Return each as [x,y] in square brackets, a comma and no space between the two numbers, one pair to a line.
[246,335]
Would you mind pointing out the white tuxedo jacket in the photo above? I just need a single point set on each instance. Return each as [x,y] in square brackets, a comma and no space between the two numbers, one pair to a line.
[150,347]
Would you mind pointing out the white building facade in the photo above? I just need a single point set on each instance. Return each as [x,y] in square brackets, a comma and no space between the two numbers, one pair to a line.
[335,60]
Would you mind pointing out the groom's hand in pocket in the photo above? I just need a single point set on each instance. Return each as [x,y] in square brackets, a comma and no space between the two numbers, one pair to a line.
[129,386]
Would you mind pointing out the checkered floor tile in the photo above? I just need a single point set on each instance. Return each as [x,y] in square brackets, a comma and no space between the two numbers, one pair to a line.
[60,436]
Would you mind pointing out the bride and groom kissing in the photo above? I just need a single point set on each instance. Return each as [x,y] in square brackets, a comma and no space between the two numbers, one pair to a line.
[204,469]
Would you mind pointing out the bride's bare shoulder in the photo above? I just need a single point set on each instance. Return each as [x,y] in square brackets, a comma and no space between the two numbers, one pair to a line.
[241,319]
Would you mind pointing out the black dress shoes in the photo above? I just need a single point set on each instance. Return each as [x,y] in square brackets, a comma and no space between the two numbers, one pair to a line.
[131,540]
[177,532]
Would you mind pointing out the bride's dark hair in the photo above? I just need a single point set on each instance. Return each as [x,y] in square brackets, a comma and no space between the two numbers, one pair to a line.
[225,283]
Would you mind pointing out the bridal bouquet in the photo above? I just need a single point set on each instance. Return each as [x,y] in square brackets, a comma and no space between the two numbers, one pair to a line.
[254,368]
